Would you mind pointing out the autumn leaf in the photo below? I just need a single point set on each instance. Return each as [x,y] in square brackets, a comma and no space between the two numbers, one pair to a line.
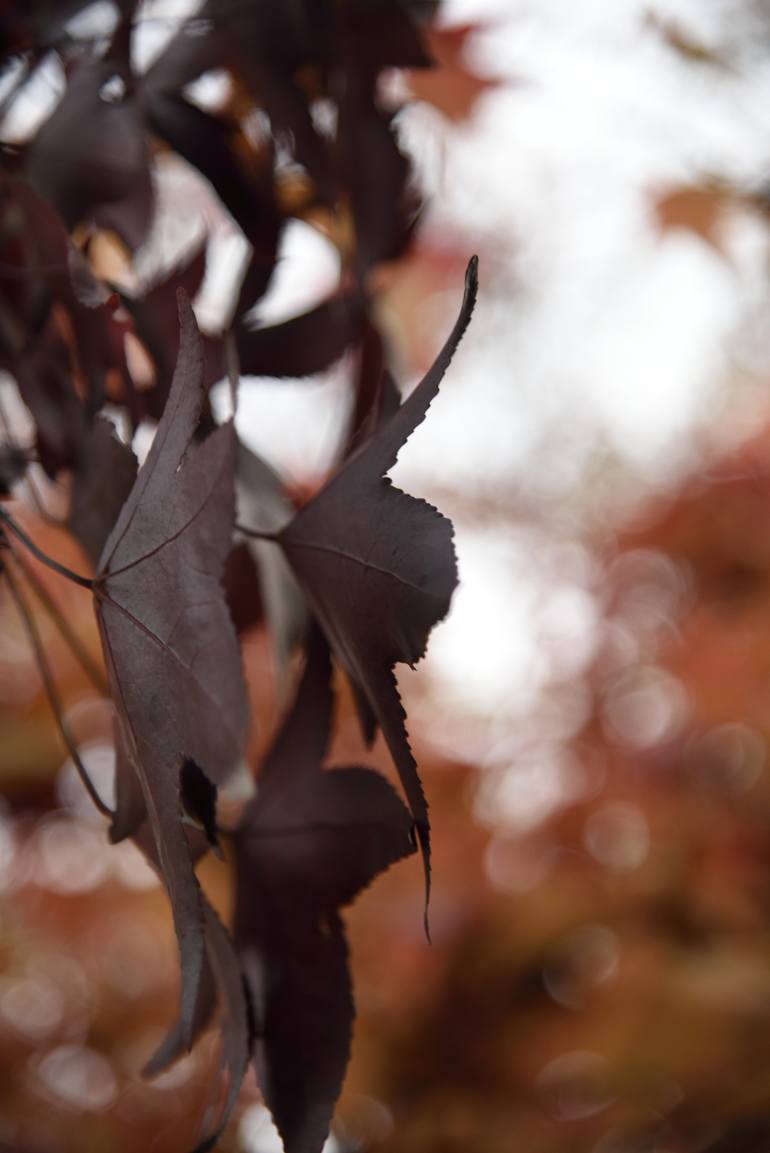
[171,651]
[13,465]
[304,344]
[378,568]
[309,842]
[155,315]
[90,158]
[221,985]
[453,86]
[94,505]
[698,208]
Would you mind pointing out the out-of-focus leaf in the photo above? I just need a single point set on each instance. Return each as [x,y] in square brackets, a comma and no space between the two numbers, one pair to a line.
[243,180]
[13,465]
[383,201]
[45,384]
[303,345]
[104,474]
[57,326]
[452,86]
[90,157]
[684,43]
[697,208]
[156,319]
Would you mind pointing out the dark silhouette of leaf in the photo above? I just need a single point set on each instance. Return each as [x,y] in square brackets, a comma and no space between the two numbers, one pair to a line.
[170,647]
[221,982]
[305,846]
[383,202]
[95,504]
[378,568]
[266,45]
[242,179]
[45,384]
[90,157]
[304,1024]
[42,349]
[199,801]
[386,34]
[155,316]
[241,584]
[303,345]
[13,465]
[453,87]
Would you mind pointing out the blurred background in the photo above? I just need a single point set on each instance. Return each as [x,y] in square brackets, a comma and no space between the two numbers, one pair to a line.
[592,720]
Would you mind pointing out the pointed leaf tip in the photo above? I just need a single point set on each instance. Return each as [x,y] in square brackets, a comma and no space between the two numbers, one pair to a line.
[472,277]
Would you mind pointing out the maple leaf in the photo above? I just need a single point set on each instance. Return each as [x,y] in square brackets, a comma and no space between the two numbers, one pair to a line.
[221,983]
[378,568]
[94,505]
[155,316]
[702,209]
[90,157]
[304,344]
[219,149]
[13,465]
[170,647]
[309,842]
[452,87]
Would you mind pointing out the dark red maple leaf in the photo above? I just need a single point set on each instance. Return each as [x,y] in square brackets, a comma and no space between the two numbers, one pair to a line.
[378,568]
[95,504]
[170,647]
[309,842]
[221,985]
[90,158]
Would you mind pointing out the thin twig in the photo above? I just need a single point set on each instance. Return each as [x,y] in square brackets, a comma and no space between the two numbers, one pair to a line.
[84,659]
[232,367]
[51,691]
[62,570]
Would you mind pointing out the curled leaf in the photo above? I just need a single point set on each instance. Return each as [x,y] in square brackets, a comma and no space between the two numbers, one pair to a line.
[309,842]
[170,647]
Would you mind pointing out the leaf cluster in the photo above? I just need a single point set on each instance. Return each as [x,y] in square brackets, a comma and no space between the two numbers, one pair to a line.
[358,576]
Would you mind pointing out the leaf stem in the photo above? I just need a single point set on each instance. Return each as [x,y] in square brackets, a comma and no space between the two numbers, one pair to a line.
[84,659]
[255,533]
[19,532]
[51,690]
